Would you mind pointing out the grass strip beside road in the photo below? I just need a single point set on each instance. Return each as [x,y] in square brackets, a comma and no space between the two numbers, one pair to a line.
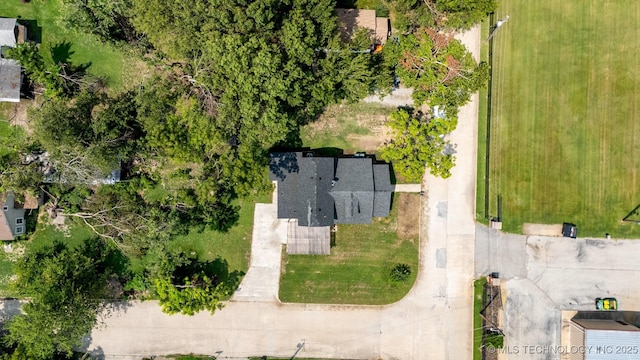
[478,294]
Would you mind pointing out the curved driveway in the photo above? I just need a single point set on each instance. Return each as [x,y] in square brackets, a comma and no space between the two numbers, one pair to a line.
[434,321]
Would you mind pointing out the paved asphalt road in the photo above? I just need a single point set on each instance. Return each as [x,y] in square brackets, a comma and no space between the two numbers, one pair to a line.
[434,321]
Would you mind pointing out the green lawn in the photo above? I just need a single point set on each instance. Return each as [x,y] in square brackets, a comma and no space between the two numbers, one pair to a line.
[105,59]
[233,246]
[7,132]
[357,271]
[565,119]
[6,271]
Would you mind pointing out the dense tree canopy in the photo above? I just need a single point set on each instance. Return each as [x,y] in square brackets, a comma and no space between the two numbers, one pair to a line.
[438,67]
[186,285]
[66,287]
[86,138]
[440,14]
[109,20]
[419,140]
[265,66]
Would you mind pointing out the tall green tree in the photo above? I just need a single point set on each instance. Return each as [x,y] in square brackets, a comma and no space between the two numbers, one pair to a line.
[66,287]
[39,70]
[17,176]
[188,286]
[446,15]
[109,20]
[461,14]
[86,138]
[438,67]
[419,143]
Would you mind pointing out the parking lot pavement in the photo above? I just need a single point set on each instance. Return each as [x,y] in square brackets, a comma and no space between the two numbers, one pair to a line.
[542,276]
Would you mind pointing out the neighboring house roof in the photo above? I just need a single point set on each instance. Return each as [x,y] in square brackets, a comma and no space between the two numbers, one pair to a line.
[322,191]
[5,229]
[10,80]
[8,32]
[350,19]
[11,33]
[603,333]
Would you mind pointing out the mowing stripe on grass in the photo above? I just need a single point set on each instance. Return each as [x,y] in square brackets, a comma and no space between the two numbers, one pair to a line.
[564,114]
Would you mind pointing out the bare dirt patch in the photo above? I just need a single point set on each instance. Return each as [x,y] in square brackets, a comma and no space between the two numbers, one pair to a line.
[327,121]
[380,133]
[408,215]
[542,229]
[16,114]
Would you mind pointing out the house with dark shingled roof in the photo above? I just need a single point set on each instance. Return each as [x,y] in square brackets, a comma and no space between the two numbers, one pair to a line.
[316,192]
[323,191]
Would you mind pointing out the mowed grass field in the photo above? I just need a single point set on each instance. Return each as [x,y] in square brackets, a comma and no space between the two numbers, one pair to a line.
[565,140]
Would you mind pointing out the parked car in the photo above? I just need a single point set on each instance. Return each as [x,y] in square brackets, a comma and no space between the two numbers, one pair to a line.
[606,304]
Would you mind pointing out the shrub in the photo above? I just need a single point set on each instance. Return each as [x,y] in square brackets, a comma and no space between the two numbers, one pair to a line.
[400,273]
[495,341]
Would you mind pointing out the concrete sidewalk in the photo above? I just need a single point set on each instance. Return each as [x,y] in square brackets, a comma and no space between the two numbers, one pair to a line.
[261,283]
[408,188]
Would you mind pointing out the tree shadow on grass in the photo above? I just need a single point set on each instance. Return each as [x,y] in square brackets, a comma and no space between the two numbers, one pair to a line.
[217,270]
[61,54]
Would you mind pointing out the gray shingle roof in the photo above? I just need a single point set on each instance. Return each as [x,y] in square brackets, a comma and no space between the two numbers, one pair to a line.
[10,80]
[303,185]
[353,191]
[321,191]
[383,189]
[7,32]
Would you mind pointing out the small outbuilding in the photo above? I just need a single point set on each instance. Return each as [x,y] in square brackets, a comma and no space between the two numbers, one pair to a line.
[11,34]
[352,19]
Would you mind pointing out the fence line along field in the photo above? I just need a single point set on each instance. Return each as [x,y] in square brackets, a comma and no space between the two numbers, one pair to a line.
[565,120]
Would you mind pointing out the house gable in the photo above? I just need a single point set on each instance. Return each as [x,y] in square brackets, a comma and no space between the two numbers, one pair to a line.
[383,190]
[12,223]
[303,185]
